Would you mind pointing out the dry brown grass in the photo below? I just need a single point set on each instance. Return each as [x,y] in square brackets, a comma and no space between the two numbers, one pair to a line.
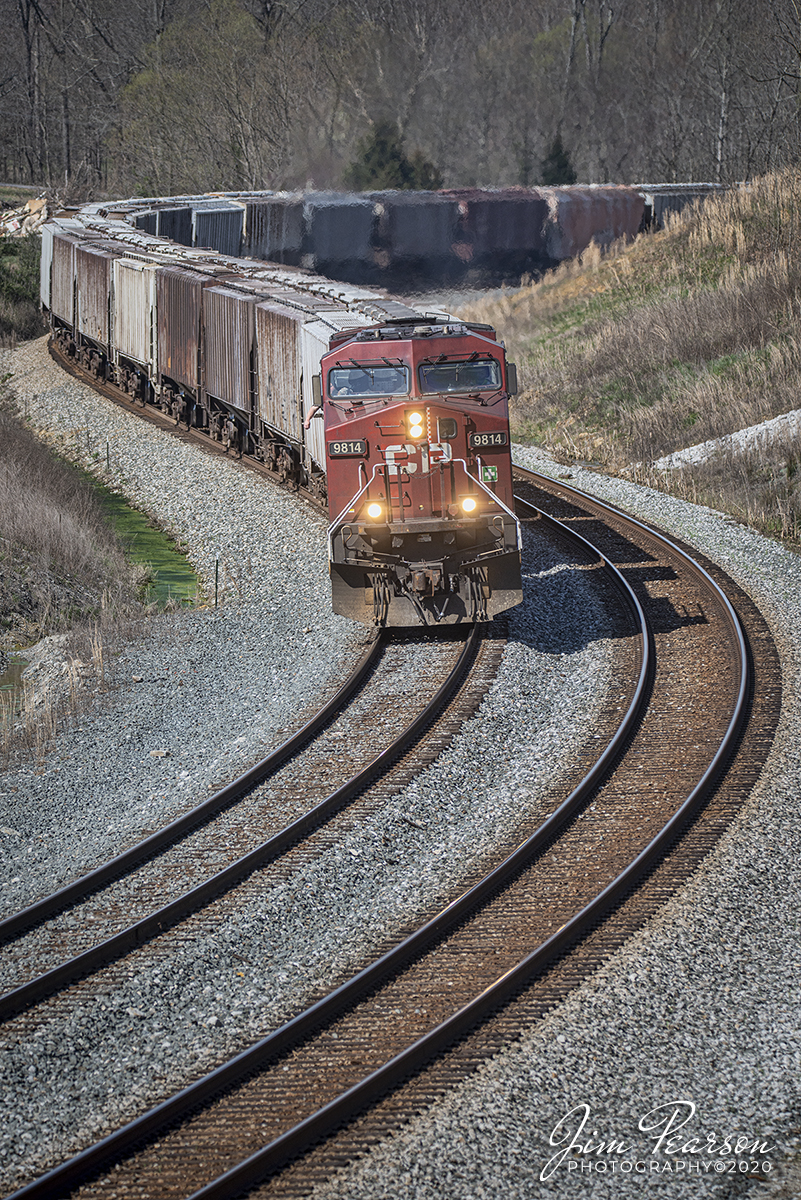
[682,336]
[75,682]
[760,487]
[61,568]
[58,557]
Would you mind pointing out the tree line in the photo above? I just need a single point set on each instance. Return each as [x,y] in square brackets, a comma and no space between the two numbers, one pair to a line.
[159,97]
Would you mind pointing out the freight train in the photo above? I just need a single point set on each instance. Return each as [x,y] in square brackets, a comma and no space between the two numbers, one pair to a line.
[397,238]
[398,418]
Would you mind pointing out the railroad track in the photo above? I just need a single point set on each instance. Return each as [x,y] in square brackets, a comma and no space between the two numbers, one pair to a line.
[521,935]
[200,863]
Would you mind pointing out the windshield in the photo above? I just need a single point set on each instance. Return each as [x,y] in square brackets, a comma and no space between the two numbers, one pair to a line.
[478,375]
[368,381]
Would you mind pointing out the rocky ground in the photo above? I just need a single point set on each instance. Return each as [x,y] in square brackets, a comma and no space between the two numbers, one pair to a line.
[700,1013]
[701,1009]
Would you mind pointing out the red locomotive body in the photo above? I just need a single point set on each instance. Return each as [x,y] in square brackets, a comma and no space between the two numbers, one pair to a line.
[420,474]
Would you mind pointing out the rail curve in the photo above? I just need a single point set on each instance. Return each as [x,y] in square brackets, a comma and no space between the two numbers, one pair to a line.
[488,913]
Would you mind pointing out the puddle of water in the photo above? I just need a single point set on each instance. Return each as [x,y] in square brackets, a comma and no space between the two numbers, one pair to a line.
[172,575]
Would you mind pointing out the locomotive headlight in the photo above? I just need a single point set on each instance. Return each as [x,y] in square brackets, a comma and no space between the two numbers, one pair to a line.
[469,504]
[415,420]
[374,511]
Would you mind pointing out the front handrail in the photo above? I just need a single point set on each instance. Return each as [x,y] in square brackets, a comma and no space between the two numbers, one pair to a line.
[339,521]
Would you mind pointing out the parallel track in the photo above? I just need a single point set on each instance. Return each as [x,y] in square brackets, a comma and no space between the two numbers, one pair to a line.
[319,789]
[470,939]
[432,1007]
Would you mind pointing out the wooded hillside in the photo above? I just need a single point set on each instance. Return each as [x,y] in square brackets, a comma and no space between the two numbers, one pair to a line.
[165,96]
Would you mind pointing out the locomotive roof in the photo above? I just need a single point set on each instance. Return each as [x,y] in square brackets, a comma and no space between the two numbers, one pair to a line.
[406,329]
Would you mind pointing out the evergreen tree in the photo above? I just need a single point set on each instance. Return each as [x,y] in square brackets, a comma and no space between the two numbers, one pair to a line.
[556,169]
[381,162]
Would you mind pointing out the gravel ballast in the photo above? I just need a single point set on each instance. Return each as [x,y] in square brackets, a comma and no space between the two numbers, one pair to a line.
[250,668]
[702,1008]
[696,1022]
[211,688]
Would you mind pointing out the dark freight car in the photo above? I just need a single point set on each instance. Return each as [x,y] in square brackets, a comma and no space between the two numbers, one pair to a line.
[338,236]
[415,232]
[275,228]
[175,224]
[501,232]
[219,228]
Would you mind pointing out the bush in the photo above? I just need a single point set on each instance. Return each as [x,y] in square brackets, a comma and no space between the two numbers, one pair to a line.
[59,560]
[20,317]
[556,169]
[382,163]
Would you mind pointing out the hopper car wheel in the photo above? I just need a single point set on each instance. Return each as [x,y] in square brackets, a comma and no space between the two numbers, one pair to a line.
[316,485]
[286,465]
[232,438]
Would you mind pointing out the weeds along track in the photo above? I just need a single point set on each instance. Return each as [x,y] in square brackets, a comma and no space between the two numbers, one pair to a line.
[676,766]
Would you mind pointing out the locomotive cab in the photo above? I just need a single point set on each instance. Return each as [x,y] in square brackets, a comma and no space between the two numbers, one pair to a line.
[419,474]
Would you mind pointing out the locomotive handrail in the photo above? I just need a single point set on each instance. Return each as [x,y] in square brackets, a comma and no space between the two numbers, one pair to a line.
[495,499]
[340,520]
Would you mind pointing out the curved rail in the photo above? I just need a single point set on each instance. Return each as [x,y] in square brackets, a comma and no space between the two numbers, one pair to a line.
[122,1141]
[80,888]
[191,901]
[394,1072]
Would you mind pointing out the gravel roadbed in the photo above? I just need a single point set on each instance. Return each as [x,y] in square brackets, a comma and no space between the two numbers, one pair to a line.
[247,671]
[212,689]
[695,1023]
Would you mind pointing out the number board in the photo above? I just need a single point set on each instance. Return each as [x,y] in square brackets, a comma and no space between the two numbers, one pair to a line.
[341,449]
[486,441]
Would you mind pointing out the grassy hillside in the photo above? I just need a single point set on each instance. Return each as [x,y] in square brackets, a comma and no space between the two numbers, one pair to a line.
[59,560]
[682,336]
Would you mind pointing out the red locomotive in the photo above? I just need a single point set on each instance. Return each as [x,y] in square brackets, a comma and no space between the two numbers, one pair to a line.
[419,473]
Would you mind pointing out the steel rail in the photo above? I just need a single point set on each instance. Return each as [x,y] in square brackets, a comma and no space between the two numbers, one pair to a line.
[177,1107]
[197,897]
[93,881]
[353,1101]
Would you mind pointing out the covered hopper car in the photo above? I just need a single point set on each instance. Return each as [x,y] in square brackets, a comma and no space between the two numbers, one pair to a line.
[397,418]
